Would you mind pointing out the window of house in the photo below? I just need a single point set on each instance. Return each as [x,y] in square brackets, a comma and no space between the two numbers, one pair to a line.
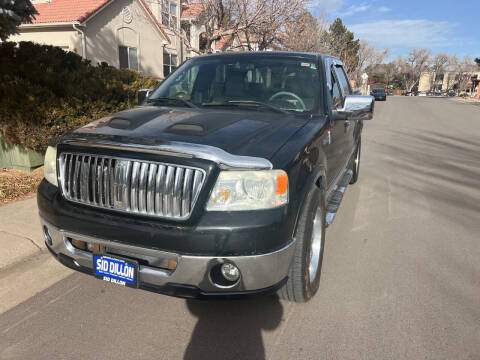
[169,14]
[169,63]
[202,42]
[128,57]
[173,15]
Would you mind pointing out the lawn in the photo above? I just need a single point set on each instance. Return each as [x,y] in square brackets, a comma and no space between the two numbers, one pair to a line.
[17,185]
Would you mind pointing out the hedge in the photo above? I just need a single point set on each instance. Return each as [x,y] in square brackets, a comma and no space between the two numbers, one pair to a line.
[45,91]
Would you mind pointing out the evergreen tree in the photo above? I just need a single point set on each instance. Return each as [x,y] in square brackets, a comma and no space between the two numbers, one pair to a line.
[12,14]
[341,42]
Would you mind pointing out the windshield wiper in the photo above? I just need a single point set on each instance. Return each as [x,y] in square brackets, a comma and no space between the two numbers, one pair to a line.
[246,102]
[172,100]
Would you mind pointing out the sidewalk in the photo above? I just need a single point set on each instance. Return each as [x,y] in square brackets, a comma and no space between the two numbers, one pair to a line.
[467,100]
[20,232]
[26,267]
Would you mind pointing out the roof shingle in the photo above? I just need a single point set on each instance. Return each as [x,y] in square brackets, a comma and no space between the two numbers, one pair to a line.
[191,10]
[57,11]
[66,10]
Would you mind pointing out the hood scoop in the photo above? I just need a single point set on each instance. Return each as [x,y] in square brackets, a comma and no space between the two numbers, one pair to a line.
[186,129]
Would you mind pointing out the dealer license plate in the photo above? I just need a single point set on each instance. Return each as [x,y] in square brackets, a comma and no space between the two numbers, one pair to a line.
[116,270]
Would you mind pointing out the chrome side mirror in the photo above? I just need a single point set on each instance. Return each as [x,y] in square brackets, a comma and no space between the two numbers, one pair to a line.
[355,107]
[143,95]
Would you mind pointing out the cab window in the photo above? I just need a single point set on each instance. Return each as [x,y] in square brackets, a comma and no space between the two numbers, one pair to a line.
[343,80]
[335,92]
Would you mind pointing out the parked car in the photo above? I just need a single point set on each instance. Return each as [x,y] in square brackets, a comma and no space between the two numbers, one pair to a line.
[422,93]
[379,94]
[222,182]
[451,93]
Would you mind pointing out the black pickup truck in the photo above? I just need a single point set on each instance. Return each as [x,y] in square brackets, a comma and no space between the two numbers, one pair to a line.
[222,182]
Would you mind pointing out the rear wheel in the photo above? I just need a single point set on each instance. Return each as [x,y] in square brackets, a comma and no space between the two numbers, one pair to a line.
[356,162]
[304,273]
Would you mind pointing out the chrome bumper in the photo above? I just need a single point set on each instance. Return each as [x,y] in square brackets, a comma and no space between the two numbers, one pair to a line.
[256,272]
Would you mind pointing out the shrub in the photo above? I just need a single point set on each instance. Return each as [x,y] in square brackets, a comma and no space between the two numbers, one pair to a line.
[45,91]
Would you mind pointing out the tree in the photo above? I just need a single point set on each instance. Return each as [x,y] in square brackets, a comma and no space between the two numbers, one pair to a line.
[260,22]
[464,70]
[412,67]
[12,14]
[305,33]
[383,74]
[341,42]
[437,67]
[368,55]
[271,19]
[477,60]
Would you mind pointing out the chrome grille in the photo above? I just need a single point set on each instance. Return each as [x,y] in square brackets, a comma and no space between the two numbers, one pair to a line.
[139,187]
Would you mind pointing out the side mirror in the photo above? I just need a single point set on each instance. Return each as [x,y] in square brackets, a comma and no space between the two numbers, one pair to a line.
[143,95]
[355,107]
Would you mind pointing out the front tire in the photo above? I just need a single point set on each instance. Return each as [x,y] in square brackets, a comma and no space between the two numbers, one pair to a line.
[356,162]
[304,273]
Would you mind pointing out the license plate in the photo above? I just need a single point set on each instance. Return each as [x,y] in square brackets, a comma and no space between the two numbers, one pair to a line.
[116,270]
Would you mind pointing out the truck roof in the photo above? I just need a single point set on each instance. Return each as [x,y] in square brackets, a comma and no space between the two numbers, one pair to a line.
[309,55]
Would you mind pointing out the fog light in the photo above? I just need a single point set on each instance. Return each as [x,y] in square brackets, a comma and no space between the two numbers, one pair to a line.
[230,272]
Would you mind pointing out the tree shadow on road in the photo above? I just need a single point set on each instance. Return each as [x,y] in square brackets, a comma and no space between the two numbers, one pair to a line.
[232,329]
[444,168]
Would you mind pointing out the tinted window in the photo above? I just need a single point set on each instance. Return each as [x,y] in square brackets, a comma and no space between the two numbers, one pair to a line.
[287,83]
[343,80]
[123,53]
[128,57]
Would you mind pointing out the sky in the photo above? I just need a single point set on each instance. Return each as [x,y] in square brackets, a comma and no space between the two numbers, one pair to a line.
[448,26]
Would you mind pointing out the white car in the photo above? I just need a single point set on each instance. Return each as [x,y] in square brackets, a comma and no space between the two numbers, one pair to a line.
[422,94]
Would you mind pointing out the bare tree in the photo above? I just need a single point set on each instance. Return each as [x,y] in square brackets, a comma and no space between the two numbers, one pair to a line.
[368,55]
[412,67]
[437,66]
[464,70]
[305,33]
[260,22]
[275,17]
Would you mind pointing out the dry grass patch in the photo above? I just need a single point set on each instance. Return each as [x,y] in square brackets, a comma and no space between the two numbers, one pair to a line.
[17,184]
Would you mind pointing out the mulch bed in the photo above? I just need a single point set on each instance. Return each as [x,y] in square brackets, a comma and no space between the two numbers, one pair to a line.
[17,185]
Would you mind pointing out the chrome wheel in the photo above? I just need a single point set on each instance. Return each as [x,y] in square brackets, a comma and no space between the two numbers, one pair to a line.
[316,245]
[357,160]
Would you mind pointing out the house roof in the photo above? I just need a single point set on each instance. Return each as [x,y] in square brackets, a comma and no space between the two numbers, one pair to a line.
[66,10]
[192,10]
[223,42]
[59,11]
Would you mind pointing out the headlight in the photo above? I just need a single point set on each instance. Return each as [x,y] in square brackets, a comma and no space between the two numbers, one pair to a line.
[249,190]
[50,165]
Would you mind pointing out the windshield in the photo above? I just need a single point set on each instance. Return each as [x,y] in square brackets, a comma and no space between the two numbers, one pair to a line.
[261,83]
[378,90]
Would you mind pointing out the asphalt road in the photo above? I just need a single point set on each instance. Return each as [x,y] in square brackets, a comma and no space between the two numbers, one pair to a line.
[401,272]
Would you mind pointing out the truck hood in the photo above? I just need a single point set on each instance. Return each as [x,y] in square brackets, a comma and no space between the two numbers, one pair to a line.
[239,132]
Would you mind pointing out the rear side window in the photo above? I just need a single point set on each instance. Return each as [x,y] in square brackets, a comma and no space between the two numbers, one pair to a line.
[343,80]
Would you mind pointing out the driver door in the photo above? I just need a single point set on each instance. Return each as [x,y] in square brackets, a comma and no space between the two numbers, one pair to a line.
[334,145]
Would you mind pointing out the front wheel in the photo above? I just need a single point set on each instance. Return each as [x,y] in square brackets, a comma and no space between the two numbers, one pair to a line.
[304,273]
[356,162]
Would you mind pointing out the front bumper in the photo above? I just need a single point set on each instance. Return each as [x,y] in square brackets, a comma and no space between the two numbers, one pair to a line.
[191,277]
